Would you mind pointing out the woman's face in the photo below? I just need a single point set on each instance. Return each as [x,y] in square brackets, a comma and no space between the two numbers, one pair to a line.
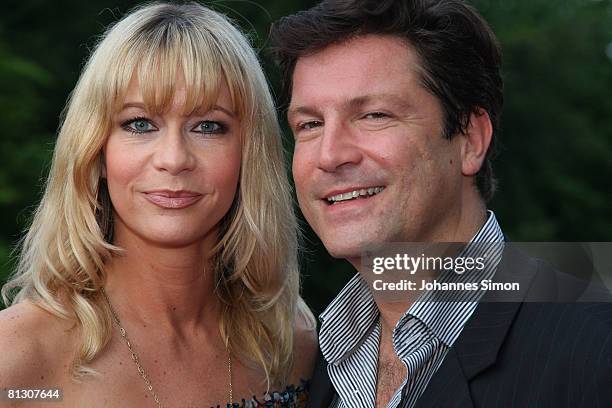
[171,177]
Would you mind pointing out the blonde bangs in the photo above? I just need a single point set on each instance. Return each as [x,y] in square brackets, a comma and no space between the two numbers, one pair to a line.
[159,54]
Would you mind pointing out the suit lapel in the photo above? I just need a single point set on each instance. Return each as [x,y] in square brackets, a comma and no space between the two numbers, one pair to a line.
[478,346]
[475,350]
[448,388]
[321,392]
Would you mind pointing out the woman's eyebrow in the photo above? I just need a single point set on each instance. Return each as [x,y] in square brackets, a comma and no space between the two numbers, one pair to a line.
[141,105]
[228,112]
[127,105]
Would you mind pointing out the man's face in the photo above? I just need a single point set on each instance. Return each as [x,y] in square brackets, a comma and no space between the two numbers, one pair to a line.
[370,162]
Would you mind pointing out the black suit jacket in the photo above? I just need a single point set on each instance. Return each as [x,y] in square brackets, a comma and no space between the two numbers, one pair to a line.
[521,353]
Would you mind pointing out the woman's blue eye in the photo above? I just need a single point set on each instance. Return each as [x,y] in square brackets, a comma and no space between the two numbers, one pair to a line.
[139,125]
[209,126]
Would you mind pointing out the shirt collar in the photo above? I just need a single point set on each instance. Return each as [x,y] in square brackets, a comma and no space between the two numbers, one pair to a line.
[347,320]
[351,316]
[445,318]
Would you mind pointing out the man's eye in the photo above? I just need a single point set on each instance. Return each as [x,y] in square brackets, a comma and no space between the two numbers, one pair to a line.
[376,115]
[138,125]
[310,125]
[209,126]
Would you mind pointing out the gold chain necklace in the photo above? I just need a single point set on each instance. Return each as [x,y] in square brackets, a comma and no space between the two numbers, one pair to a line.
[142,372]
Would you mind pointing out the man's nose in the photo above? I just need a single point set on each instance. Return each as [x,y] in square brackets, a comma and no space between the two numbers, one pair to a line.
[338,147]
[173,152]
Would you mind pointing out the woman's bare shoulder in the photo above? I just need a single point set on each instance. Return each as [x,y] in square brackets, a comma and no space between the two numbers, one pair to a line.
[34,344]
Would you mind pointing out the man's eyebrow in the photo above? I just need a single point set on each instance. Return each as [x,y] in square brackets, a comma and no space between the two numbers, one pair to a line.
[354,103]
[304,110]
[361,101]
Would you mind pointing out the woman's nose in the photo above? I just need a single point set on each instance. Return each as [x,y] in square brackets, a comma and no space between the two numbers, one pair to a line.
[173,152]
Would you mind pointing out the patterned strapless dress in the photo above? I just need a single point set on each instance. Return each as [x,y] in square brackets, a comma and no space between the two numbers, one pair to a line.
[292,397]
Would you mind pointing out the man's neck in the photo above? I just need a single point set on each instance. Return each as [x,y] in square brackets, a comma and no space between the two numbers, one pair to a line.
[467,228]
[391,370]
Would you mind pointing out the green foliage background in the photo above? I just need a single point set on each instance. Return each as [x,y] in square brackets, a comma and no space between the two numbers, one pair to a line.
[555,159]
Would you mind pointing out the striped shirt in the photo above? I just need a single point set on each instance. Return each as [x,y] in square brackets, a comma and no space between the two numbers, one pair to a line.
[350,331]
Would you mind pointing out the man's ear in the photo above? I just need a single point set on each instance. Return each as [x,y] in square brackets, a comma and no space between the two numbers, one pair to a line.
[476,144]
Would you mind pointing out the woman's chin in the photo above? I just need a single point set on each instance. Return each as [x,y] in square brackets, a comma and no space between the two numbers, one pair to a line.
[172,237]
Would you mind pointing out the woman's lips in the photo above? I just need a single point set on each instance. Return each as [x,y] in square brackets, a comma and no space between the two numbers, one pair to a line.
[172,199]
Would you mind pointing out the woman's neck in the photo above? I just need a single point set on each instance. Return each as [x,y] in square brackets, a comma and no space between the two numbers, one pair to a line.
[161,286]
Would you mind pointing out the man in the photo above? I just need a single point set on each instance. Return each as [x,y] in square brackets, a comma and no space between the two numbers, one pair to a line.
[395,107]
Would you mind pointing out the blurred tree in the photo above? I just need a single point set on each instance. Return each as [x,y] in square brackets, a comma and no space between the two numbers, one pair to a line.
[23,145]
[557,134]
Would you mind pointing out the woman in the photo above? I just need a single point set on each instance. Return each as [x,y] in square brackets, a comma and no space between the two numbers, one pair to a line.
[160,267]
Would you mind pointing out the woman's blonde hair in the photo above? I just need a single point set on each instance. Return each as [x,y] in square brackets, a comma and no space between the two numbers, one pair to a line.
[61,264]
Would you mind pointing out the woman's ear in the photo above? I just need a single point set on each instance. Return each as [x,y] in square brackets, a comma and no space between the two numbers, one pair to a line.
[477,141]
[102,165]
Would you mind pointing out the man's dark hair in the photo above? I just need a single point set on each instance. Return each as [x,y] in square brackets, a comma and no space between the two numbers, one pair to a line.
[459,53]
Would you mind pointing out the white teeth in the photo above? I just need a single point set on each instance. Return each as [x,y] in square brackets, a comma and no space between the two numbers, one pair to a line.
[354,194]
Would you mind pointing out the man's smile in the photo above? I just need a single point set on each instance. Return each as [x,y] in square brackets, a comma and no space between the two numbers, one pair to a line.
[366,192]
